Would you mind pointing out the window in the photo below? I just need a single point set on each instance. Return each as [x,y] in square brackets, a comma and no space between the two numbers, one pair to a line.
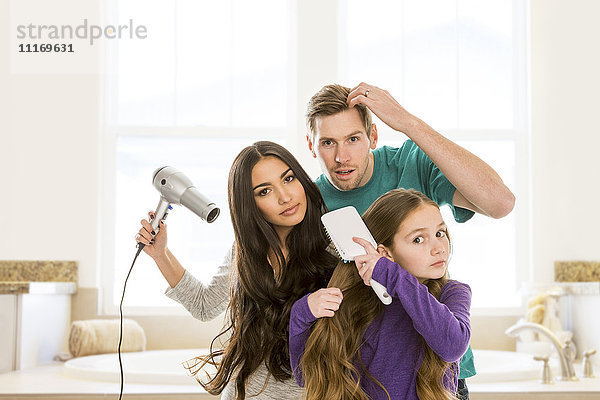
[458,65]
[190,96]
[213,77]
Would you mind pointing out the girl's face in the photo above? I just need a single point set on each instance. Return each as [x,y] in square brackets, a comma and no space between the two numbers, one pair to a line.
[279,195]
[420,244]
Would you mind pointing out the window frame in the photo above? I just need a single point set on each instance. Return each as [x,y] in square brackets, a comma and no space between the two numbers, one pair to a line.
[108,146]
[519,136]
[310,21]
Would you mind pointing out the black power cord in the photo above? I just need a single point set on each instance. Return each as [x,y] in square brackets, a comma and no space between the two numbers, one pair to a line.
[139,250]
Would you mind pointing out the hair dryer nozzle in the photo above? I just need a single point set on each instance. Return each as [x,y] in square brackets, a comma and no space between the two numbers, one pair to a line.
[200,205]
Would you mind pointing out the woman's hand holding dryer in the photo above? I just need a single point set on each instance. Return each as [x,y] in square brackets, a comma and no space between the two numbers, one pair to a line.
[156,247]
[155,243]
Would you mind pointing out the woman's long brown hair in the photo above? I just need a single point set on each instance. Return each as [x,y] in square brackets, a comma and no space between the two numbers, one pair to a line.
[332,352]
[260,305]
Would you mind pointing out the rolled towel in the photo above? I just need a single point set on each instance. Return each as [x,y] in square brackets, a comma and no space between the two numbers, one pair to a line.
[536,314]
[98,336]
[537,300]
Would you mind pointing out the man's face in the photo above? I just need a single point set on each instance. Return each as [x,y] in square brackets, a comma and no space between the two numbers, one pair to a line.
[342,145]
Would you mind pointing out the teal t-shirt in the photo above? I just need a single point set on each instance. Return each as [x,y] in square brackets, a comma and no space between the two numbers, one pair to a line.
[406,167]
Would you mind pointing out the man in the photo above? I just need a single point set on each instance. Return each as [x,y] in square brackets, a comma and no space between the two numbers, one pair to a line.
[342,135]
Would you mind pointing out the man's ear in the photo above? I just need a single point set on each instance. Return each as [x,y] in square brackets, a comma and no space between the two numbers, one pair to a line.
[373,137]
[383,251]
[310,145]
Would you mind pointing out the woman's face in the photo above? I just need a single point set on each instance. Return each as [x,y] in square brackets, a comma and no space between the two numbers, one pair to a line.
[421,245]
[279,195]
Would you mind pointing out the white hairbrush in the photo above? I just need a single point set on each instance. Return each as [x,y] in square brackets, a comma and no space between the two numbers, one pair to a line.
[341,226]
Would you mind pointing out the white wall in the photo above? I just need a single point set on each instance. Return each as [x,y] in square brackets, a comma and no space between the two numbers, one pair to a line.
[49,137]
[50,131]
[565,88]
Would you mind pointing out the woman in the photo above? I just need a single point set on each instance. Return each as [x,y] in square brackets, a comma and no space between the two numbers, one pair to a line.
[280,254]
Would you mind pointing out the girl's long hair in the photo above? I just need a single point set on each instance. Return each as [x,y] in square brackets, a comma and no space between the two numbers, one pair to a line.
[261,301]
[331,362]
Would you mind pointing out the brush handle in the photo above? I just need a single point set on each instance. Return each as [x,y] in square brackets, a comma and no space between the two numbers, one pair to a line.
[381,292]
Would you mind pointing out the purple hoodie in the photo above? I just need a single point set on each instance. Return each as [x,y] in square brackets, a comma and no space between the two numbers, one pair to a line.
[392,350]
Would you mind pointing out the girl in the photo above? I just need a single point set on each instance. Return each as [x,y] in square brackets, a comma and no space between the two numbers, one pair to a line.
[280,253]
[407,350]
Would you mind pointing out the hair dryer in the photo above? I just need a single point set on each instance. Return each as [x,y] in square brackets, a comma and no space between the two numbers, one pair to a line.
[176,188]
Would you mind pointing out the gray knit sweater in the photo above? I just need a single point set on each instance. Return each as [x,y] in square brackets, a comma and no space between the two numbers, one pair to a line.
[206,302]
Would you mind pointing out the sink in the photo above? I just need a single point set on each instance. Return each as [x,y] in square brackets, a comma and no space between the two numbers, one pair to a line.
[499,366]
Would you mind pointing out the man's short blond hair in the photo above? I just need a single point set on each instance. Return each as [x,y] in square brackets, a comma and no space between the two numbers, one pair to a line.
[330,100]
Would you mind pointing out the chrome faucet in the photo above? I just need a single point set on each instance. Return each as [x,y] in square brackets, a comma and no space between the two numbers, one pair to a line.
[567,373]
[587,364]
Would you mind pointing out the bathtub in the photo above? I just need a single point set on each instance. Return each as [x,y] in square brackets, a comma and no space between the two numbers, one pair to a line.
[164,367]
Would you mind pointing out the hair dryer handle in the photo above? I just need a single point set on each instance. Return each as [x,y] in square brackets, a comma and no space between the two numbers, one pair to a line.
[162,210]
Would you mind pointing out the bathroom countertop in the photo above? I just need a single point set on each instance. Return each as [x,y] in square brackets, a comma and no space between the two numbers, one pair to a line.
[37,287]
[581,390]
[577,271]
[48,381]
[38,277]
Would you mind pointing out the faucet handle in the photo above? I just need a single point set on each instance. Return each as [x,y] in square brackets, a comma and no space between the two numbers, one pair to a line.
[546,374]
[588,371]
[570,350]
